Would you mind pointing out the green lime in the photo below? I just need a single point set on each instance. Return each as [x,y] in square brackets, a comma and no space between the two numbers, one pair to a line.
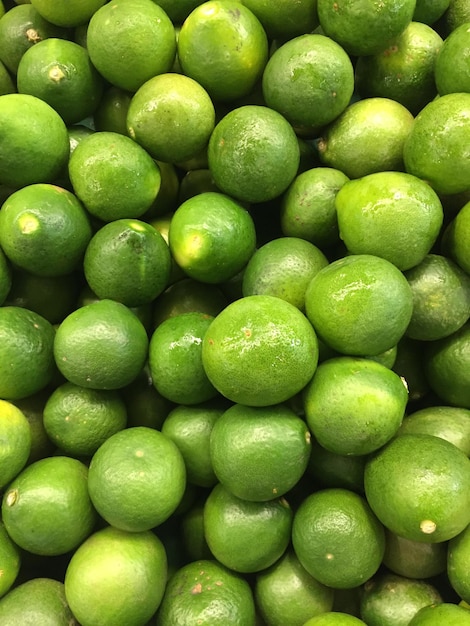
[414,559]
[206,592]
[178,10]
[455,239]
[145,406]
[334,618]
[368,136]
[126,175]
[430,11]
[359,304]
[402,231]
[329,469]
[266,336]
[444,613]
[310,80]
[172,117]
[417,485]
[5,277]
[137,479]
[61,13]
[458,13]
[246,536]
[44,229]
[253,153]
[7,84]
[192,533]
[102,345]
[111,113]
[10,562]
[457,558]
[337,538]
[46,509]
[122,38]
[451,69]
[116,577]
[285,20]
[15,435]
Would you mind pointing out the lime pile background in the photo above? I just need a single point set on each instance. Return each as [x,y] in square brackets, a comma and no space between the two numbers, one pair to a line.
[234,312]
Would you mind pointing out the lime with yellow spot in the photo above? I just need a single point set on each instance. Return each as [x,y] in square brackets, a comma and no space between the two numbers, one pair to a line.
[10,562]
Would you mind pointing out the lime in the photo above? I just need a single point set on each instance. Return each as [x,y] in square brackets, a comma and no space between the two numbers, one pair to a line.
[44,229]
[35,142]
[417,485]
[458,13]
[444,613]
[37,601]
[308,206]
[46,509]
[337,538]
[451,69]
[429,11]
[145,406]
[246,536]
[15,435]
[59,12]
[364,27]
[175,359]
[403,231]
[283,267]
[266,336]
[126,175]
[404,71]
[436,148]
[33,408]
[116,577]
[178,10]
[253,153]
[137,479]
[172,117]
[309,80]
[6,81]
[329,469]
[395,599]
[368,136]
[457,557]
[354,405]
[206,592]
[127,260]
[285,20]
[212,237]
[123,37]
[26,349]
[102,345]
[414,559]
[456,236]
[259,453]
[111,113]
[192,533]
[359,304]
[334,618]
[10,562]
[285,593]
[223,47]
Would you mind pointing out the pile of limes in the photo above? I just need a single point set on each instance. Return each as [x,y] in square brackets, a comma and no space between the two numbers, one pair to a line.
[234,312]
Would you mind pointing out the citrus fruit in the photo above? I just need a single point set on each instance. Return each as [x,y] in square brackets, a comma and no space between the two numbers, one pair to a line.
[395,600]
[44,229]
[61,13]
[20,28]
[285,593]
[354,405]
[10,561]
[429,11]
[337,538]
[127,260]
[368,136]
[122,40]
[402,231]
[308,206]
[285,20]
[145,406]
[417,485]
[283,267]
[175,359]
[441,298]
[246,536]
[6,81]
[33,407]
[329,469]
[125,174]
[15,435]
[414,559]
[446,369]
[309,80]
[436,148]
[78,420]
[404,70]
[60,73]
[259,453]
[46,509]
[37,601]
[444,613]
[111,112]
[359,304]
[116,576]
[266,336]
[178,10]
[334,618]
[192,533]
[172,117]
[206,592]
[364,27]
[223,47]
[212,237]
[455,239]
[409,365]
[457,559]
[35,142]
[451,69]
[102,345]
[458,13]
[137,478]
[253,153]
[26,349]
